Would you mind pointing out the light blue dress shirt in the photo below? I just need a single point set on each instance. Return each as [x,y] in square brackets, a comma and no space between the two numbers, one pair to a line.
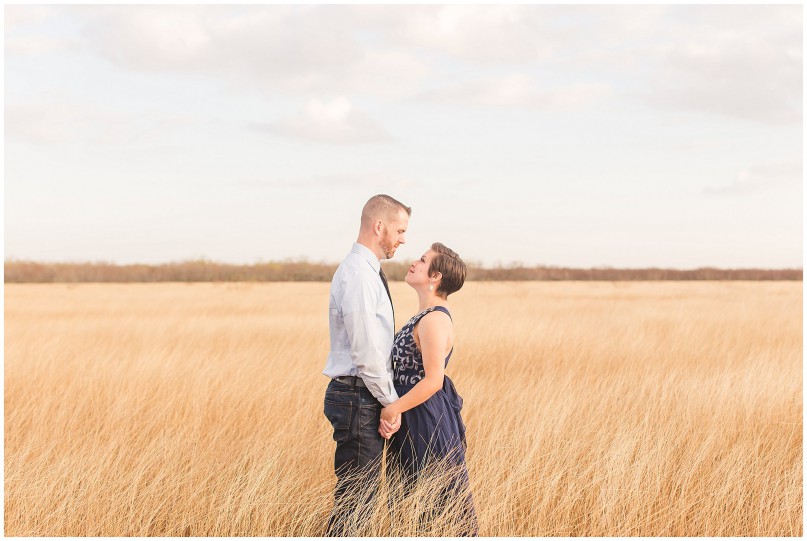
[361,324]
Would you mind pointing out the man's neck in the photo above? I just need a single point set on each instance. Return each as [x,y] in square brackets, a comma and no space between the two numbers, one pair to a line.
[369,245]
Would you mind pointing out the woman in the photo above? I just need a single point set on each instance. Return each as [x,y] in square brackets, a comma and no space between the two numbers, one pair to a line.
[431,426]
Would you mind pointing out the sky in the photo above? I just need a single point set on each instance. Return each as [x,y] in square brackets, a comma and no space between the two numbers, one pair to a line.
[582,136]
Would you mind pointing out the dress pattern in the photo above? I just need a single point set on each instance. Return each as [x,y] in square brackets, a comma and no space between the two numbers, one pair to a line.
[433,430]
[406,357]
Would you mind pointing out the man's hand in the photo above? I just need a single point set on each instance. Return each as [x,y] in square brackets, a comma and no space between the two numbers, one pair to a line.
[390,423]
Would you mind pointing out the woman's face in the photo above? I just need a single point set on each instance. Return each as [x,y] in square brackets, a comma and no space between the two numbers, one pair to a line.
[418,274]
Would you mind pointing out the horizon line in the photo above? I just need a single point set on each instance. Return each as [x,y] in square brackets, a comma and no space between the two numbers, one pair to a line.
[470,263]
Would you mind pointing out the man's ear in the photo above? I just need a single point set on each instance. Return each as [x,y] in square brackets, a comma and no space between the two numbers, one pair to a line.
[378,227]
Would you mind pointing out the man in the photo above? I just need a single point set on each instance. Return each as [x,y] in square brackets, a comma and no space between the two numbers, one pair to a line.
[359,363]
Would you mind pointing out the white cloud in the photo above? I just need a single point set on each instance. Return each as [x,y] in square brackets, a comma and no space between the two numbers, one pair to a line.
[384,180]
[738,61]
[69,121]
[303,49]
[25,45]
[751,81]
[569,36]
[487,34]
[519,90]
[388,73]
[24,33]
[761,177]
[147,37]
[336,121]
[17,15]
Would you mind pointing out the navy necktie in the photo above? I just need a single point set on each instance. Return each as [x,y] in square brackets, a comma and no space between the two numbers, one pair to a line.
[386,286]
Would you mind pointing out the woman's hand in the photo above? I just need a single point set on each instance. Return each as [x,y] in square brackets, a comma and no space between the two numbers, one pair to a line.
[390,422]
[389,413]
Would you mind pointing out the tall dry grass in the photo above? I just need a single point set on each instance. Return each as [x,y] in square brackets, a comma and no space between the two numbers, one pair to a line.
[602,409]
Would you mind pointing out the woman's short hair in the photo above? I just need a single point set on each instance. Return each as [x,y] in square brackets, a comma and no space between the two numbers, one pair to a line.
[448,263]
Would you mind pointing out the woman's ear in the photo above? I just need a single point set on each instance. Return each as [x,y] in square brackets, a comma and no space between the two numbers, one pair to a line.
[437,275]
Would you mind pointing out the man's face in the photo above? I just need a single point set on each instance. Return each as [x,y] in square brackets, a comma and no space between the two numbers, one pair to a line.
[392,234]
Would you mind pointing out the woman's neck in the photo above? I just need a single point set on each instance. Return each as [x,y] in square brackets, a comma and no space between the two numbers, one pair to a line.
[427,299]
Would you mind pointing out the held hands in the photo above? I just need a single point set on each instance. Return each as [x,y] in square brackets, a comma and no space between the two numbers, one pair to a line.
[390,422]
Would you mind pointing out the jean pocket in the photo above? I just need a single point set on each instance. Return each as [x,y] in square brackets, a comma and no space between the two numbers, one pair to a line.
[369,414]
[339,416]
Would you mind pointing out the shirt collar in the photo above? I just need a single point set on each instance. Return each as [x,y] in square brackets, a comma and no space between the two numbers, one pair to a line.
[365,253]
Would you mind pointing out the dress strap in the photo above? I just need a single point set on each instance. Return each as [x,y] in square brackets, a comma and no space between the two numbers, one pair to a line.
[445,311]
[429,310]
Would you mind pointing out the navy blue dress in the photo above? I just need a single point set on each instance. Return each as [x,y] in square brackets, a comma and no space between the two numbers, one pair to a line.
[434,429]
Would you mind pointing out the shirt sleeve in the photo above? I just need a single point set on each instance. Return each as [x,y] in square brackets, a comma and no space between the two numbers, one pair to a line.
[367,345]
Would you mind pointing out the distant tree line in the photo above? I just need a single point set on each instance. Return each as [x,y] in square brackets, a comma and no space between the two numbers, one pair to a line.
[304,271]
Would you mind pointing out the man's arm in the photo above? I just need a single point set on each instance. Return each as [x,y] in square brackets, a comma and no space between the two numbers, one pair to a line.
[368,348]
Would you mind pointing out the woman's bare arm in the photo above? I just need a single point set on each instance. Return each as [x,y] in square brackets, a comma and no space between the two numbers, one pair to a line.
[433,332]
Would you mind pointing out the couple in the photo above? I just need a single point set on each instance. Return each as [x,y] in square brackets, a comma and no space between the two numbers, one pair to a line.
[392,387]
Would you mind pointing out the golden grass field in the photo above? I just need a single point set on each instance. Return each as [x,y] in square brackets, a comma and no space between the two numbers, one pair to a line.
[593,408]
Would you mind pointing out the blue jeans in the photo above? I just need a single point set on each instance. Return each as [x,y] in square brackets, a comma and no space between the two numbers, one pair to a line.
[354,414]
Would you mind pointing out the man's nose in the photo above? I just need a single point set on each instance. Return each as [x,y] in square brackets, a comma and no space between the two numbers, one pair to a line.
[402,239]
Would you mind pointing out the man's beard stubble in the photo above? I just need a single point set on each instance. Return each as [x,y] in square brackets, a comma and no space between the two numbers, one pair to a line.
[388,248]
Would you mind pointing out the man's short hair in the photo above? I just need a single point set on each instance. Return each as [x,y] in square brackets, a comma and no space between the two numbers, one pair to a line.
[448,263]
[384,207]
